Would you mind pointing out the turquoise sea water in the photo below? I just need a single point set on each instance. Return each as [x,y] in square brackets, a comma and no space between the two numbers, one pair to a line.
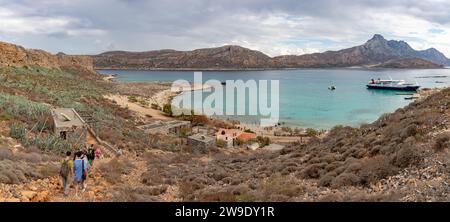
[305,100]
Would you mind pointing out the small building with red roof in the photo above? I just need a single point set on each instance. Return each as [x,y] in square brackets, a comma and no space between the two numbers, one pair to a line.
[247,136]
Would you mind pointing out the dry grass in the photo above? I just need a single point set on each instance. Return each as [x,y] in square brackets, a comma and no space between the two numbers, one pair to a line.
[113,170]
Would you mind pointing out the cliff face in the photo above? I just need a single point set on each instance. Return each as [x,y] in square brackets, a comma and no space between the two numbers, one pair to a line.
[13,55]
[375,51]
[75,60]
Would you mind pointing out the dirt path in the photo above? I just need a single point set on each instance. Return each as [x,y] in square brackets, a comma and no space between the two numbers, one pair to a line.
[50,189]
[123,102]
[98,189]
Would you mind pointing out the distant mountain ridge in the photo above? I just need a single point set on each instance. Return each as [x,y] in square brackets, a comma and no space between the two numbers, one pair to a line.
[375,52]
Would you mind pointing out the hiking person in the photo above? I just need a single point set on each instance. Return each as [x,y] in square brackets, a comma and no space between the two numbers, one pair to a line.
[79,171]
[87,168]
[98,153]
[66,172]
[91,155]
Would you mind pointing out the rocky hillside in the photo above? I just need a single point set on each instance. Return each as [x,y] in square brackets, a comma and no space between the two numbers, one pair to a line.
[409,62]
[403,156]
[16,56]
[222,57]
[375,51]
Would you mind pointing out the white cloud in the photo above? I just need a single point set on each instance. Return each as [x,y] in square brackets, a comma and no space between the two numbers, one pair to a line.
[274,27]
[14,23]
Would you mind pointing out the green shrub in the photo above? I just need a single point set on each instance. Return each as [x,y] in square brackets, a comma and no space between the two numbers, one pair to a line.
[143,102]
[239,142]
[312,132]
[5,116]
[50,143]
[167,109]
[263,141]
[221,143]
[132,99]
[155,106]
[248,131]
[20,106]
[185,132]
[18,131]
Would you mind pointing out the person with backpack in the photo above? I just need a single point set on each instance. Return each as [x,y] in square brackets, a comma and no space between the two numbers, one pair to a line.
[91,155]
[66,172]
[79,171]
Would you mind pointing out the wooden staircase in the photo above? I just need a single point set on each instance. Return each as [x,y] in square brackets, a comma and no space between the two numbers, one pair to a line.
[108,149]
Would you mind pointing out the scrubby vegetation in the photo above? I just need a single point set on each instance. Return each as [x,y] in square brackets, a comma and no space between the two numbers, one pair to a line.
[46,142]
[138,99]
[167,109]
[347,164]
[311,132]
[344,164]
[25,163]
[115,168]
[28,93]
[221,143]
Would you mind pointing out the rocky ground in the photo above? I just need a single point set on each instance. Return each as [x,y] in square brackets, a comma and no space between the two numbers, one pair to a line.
[403,156]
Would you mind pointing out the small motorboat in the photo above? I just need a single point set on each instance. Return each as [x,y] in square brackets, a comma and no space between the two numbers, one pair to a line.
[332,88]
[391,84]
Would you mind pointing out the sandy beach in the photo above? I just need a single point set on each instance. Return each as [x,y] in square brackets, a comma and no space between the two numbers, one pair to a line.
[165,96]
[109,77]
[162,96]
[123,101]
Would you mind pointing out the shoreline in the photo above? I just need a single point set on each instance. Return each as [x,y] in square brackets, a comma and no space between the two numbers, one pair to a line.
[165,96]
[418,96]
[258,69]
[109,77]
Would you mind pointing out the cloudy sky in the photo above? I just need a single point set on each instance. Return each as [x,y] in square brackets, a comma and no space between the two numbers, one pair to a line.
[274,27]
